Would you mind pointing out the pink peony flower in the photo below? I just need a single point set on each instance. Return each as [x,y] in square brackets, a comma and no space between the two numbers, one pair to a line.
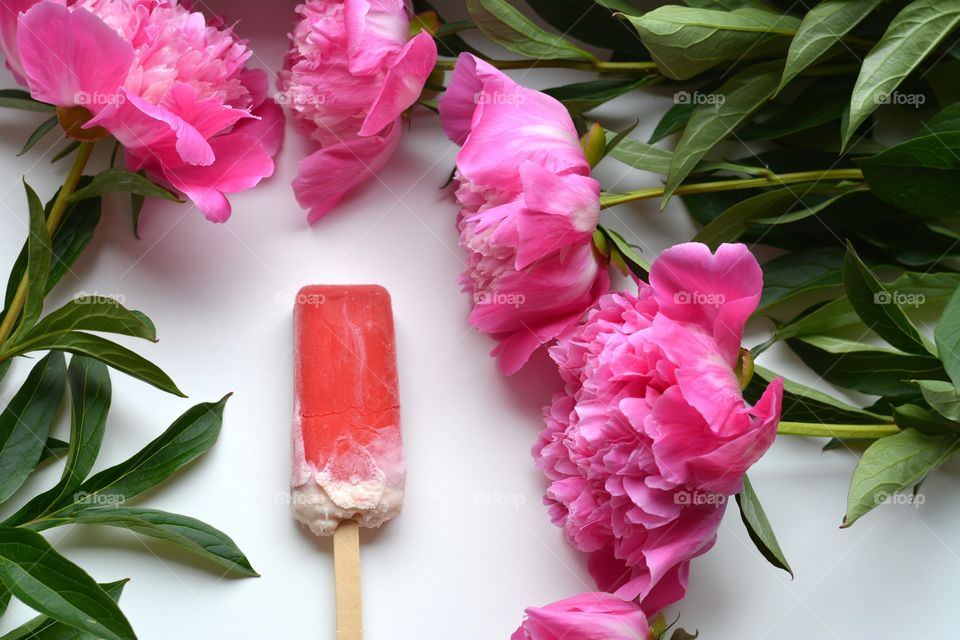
[651,432]
[588,616]
[171,88]
[351,73]
[529,210]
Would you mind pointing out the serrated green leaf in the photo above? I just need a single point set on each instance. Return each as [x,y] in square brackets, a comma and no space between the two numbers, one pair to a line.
[44,580]
[947,338]
[893,464]
[913,35]
[107,352]
[26,421]
[188,533]
[45,127]
[44,628]
[99,314]
[709,124]
[879,308]
[118,180]
[822,28]
[686,41]
[504,25]
[19,99]
[758,527]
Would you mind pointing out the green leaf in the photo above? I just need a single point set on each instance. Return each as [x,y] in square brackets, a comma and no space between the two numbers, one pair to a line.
[911,416]
[43,628]
[918,175]
[625,252]
[674,120]
[188,533]
[913,35]
[45,127]
[44,580]
[19,99]
[798,273]
[879,308]
[758,527]
[645,157]
[504,25]
[90,392]
[947,119]
[822,28]
[189,437]
[118,180]
[686,41]
[947,338]
[581,97]
[93,313]
[805,404]
[891,465]
[53,448]
[820,103]
[107,352]
[26,422]
[943,397]
[683,634]
[709,124]
[864,367]
[590,22]
[39,253]
[65,151]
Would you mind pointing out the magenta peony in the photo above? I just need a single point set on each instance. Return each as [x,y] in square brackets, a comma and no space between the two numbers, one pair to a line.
[529,210]
[351,73]
[651,433]
[170,87]
[588,616]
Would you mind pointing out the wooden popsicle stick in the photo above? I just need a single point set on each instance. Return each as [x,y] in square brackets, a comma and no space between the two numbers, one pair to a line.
[346,567]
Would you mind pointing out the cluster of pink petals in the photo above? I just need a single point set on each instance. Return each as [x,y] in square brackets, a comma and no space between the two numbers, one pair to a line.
[651,432]
[529,210]
[171,88]
[588,616]
[350,74]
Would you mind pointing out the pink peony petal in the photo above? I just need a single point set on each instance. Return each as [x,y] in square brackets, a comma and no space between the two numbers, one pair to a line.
[376,30]
[402,86]
[71,57]
[10,11]
[459,101]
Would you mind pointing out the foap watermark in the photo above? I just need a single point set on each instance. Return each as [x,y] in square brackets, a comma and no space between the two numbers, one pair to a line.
[515,300]
[698,98]
[98,98]
[899,298]
[703,298]
[497,499]
[95,297]
[99,499]
[899,499]
[289,299]
[698,498]
[498,97]
[299,99]
[915,100]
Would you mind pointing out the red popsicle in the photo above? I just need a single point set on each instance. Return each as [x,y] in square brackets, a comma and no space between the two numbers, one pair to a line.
[347,455]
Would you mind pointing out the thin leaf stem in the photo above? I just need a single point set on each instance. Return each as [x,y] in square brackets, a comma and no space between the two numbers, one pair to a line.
[57,213]
[583,65]
[849,431]
[774,180]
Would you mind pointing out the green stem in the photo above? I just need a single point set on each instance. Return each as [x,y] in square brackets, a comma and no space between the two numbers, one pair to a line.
[774,180]
[57,213]
[583,65]
[848,431]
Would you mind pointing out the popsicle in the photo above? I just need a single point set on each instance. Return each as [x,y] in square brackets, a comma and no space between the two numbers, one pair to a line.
[348,468]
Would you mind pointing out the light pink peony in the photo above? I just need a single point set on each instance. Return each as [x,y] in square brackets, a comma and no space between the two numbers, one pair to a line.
[171,88]
[351,73]
[529,210]
[651,432]
[588,616]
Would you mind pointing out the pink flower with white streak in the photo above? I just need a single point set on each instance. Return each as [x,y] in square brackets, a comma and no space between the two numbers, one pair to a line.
[588,616]
[529,210]
[350,74]
[651,433]
[170,87]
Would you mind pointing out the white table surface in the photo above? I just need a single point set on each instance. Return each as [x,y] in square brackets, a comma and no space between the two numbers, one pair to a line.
[474,545]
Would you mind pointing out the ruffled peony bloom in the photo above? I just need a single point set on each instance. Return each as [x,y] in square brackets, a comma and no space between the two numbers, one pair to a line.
[651,433]
[588,616]
[171,88]
[351,73]
[529,210]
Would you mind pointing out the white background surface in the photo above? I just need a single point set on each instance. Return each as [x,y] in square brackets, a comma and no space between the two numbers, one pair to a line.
[474,545]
